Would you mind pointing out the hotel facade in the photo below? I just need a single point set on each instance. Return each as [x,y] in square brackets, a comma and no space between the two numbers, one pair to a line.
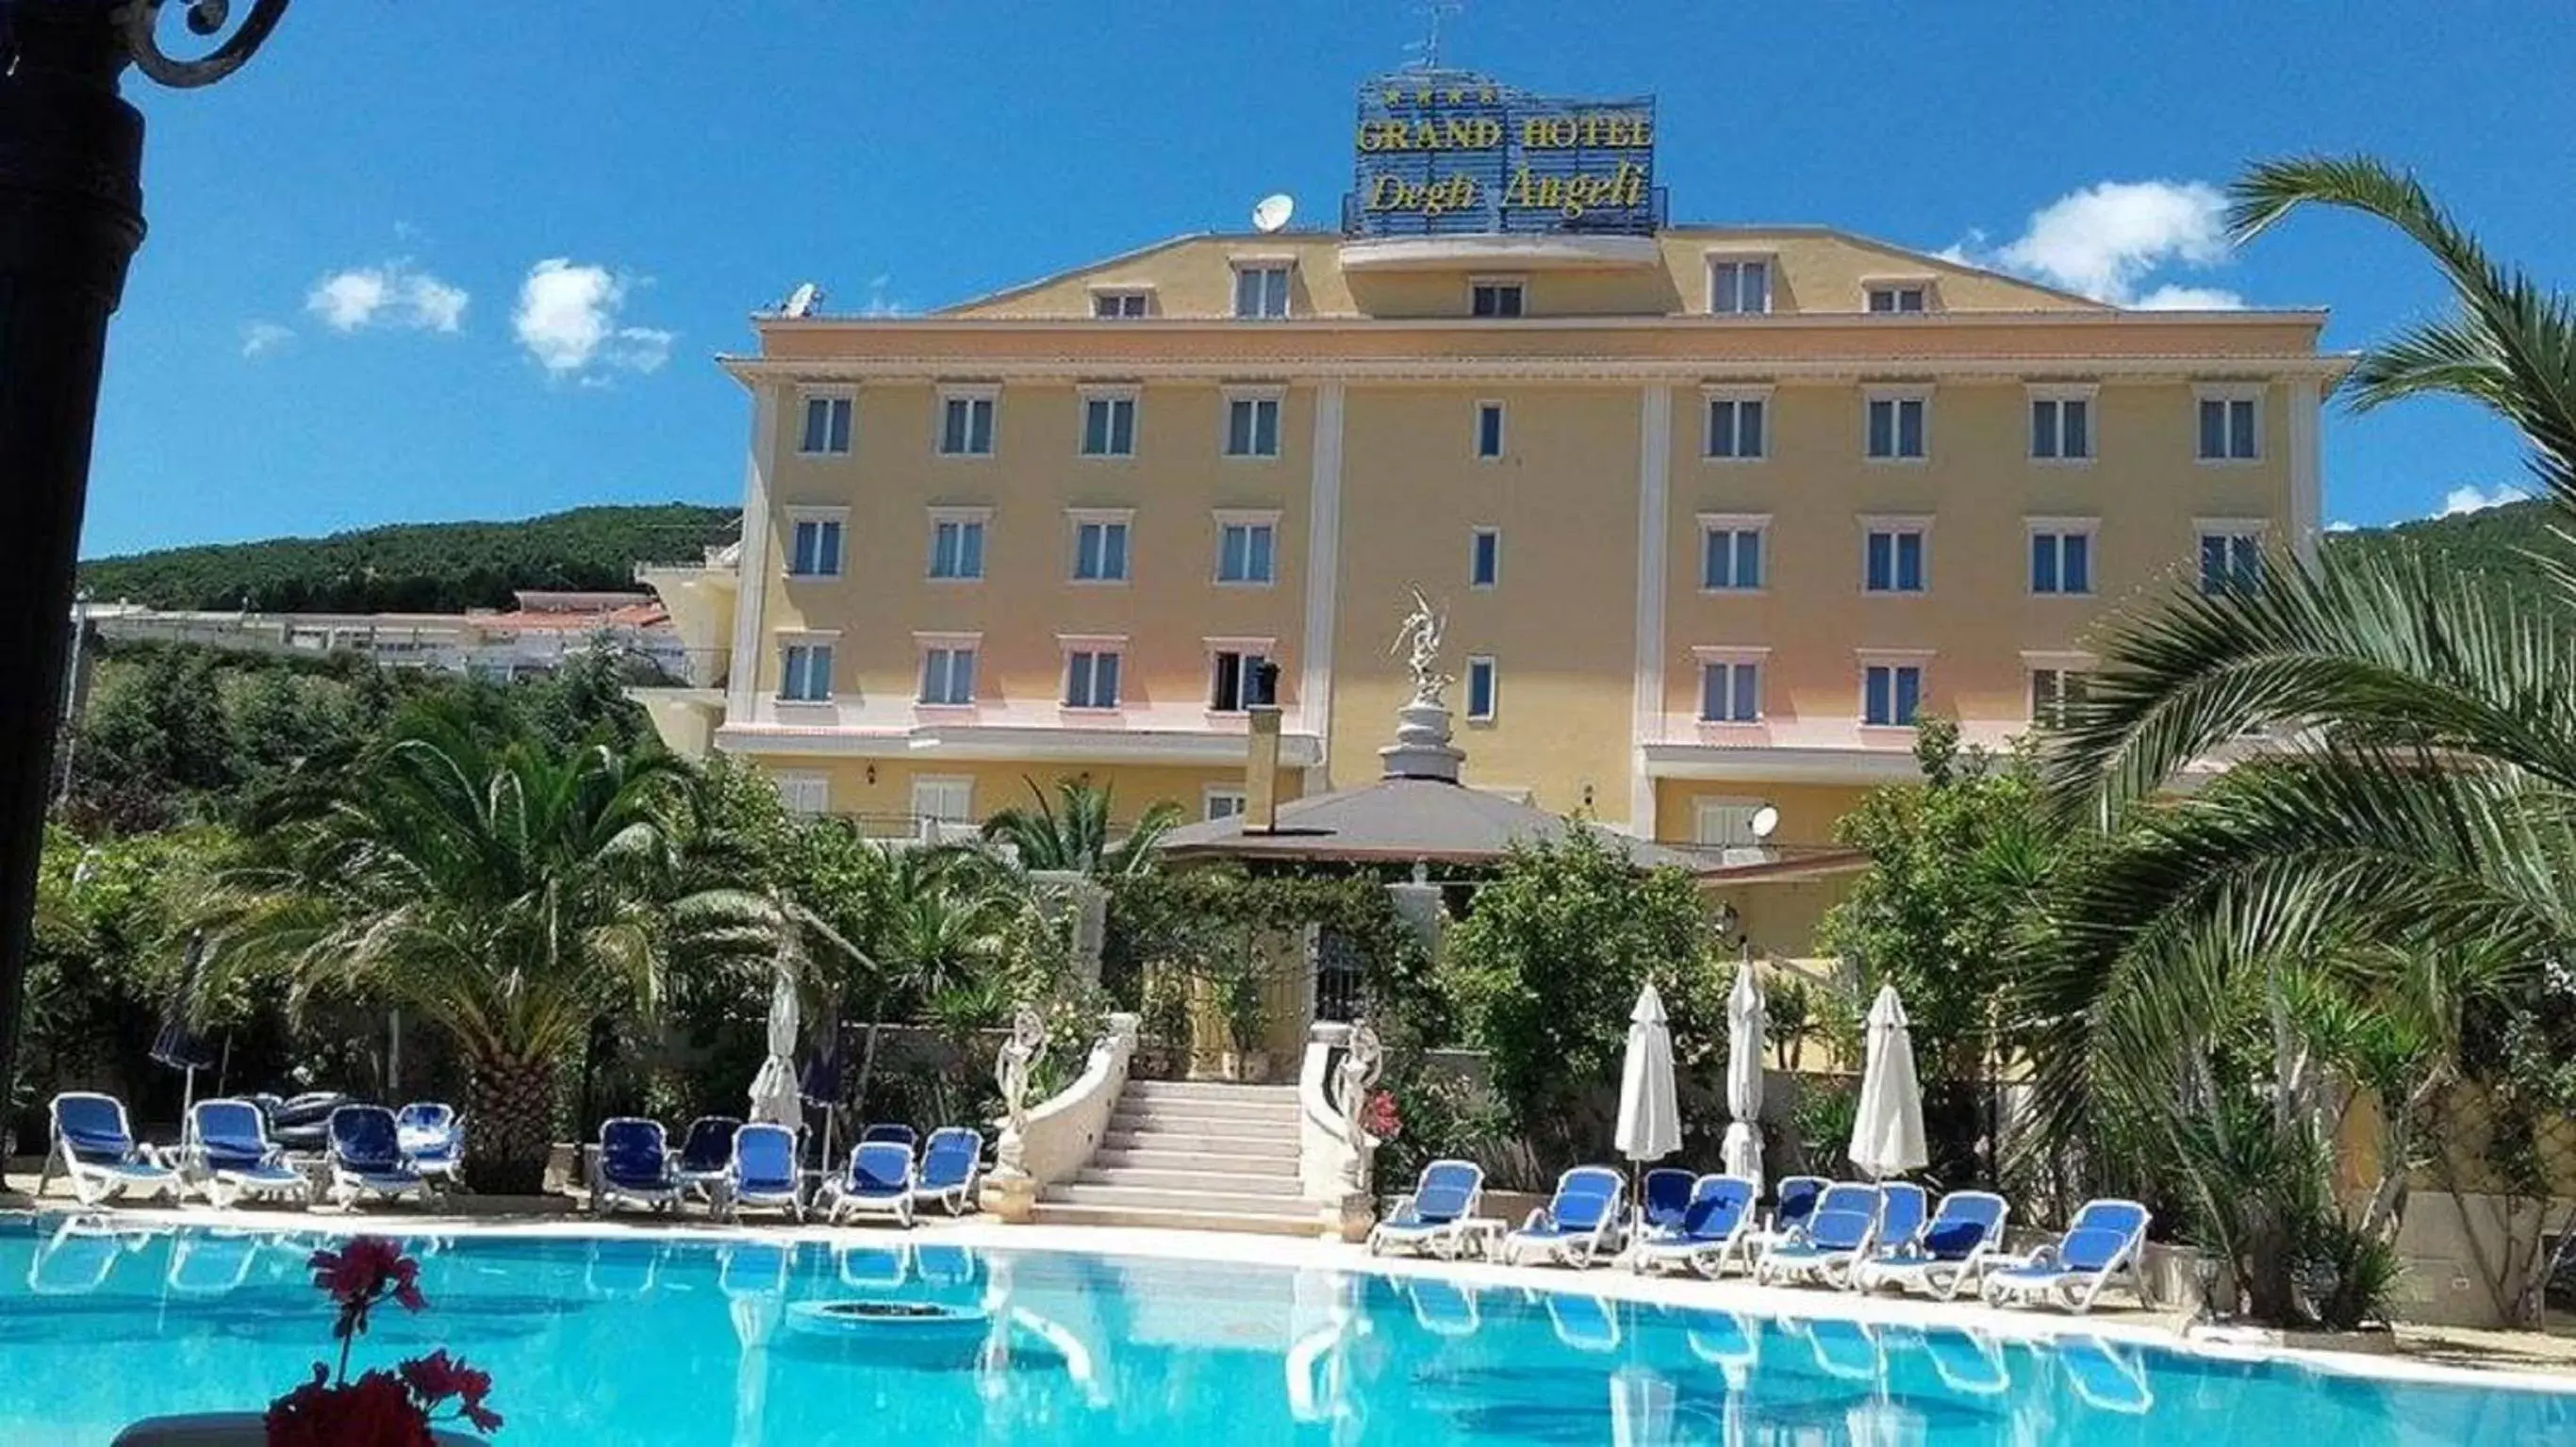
[1714,513]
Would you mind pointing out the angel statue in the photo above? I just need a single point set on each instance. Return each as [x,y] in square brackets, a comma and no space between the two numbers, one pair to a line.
[1011,1071]
[1418,642]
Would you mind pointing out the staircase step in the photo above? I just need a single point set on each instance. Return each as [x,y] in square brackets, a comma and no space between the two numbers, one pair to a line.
[1199,1202]
[1194,1143]
[1266,1223]
[1147,1158]
[1210,1090]
[1212,1127]
[1279,1113]
[1218,1182]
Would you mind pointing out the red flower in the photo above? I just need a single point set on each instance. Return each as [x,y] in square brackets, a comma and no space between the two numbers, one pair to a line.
[376,1410]
[361,1272]
[1384,1122]
[436,1377]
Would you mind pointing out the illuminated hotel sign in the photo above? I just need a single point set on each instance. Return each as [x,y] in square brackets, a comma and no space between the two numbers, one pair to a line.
[1447,153]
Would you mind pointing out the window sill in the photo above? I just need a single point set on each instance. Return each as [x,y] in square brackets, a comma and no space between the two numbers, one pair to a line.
[2085,595]
[1249,456]
[1706,591]
[2075,462]
[1897,461]
[844,452]
[2229,461]
[1097,582]
[1104,457]
[795,577]
[1884,736]
[1245,583]
[1734,731]
[946,712]
[1868,592]
[1085,713]
[1722,460]
[950,578]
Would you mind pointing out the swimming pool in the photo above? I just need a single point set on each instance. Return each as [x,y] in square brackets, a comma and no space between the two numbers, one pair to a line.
[654,1343]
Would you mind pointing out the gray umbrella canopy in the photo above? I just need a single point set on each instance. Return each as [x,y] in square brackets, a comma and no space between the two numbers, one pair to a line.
[1402,819]
[773,1090]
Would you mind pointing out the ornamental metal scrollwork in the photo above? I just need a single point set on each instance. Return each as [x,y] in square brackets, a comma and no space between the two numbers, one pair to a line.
[204,18]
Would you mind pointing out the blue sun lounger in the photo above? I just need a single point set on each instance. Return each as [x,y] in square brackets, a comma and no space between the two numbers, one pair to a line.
[1434,1218]
[950,1165]
[706,1159]
[1950,1254]
[1664,1196]
[2104,1241]
[634,1166]
[1843,1226]
[433,1136]
[366,1158]
[225,1154]
[1579,1225]
[762,1174]
[877,1181]
[1715,1222]
[99,1154]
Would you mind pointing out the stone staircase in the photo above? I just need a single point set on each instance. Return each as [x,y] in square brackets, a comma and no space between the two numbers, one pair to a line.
[1194,1156]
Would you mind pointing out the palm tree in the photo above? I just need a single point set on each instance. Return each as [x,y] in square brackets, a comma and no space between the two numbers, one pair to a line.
[509,895]
[1074,833]
[2414,796]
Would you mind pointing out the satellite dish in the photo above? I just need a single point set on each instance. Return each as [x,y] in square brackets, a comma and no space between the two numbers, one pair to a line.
[1765,820]
[1273,211]
[801,301]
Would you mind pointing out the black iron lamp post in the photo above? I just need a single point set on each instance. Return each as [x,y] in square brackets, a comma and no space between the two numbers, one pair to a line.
[71,215]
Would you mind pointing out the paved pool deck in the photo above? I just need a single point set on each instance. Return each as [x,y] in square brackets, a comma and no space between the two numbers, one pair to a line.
[2527,1360]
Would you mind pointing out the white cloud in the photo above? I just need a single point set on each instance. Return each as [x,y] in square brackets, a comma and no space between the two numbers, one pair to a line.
[881,301]
[394,294]
[2171,298]
[2339,527]
[2469,499]
[568,320]
[259,338]
[2107,240]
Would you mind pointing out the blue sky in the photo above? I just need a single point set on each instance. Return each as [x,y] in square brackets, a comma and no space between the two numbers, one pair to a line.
[412,265]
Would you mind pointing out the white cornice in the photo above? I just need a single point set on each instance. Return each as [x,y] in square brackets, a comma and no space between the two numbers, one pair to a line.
[1679,371]
[934,743]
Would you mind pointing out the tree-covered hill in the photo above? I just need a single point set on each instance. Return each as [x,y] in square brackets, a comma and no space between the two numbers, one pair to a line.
[2493,540]
[415,567]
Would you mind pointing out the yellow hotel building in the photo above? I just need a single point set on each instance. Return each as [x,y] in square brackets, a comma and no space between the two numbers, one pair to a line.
[1712,510]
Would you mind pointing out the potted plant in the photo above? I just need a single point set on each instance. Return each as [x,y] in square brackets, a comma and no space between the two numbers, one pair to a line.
[414,1404]
[1247,1023]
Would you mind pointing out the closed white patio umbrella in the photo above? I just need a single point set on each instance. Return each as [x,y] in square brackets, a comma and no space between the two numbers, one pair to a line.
[773,1090]
[1744,1038]
[1650,1117]
[1644,1408]
[1887,1129]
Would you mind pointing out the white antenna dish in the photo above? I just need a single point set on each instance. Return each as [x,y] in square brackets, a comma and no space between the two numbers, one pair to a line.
[801,301]
[1273,212]
[1765,820]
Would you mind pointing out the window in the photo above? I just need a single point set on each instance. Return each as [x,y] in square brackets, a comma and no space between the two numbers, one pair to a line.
[1091,678]
[1222,803]
[2053,691]
[966,426]
[1890,693]
[1896,428]
[957,547]
[948,675]
[1890,298]
[950,801]
[1484,557]
[1243,551]
[1234,681]
[1730,691]
[1489,429]
[1261,291]
[2229,559]
[1892,558]
[1494,299]
[2227,429]
[814,548]
[806,794]
[2061,429]
[1480,690]
[1108,426]
[1730,554]
[1725,824]
[1739,287]
[1100,551]
[1735,427]
[1109,305]
[827,426]
[2061,560]
[805,672]
[1252,427]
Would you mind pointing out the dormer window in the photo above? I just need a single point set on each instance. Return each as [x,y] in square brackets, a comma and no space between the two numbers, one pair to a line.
[1892,297]
[1494,298]
[1261,289]
[1121,305]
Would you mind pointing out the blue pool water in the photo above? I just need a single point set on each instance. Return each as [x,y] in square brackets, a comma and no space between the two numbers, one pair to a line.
[645,1343]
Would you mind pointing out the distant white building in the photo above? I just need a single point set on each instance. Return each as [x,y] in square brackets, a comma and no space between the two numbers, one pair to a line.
[534,638]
